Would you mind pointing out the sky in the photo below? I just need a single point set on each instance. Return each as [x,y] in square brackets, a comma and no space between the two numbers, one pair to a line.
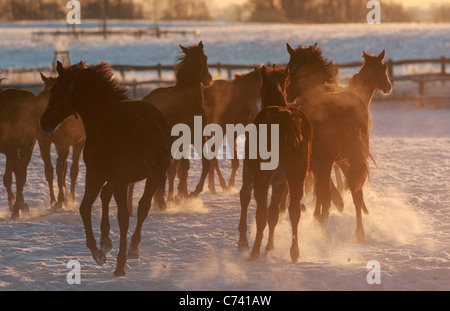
[406,3]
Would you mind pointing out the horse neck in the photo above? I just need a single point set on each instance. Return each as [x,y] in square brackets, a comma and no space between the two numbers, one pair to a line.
[186,77]
[361,85]
[94,102]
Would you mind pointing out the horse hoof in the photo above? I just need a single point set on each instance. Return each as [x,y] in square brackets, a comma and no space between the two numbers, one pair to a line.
[56,207]
[105,245]
[120,272]
[193,195]
[99,257]
[269,248]
[360,236]
[242,246]
[15,214]
[295,254]
[254,255]
[133,252]
[22,206]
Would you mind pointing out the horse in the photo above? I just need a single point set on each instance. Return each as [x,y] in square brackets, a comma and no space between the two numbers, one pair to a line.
[126,141]
[231,103]
[19,125]
[296,132]
[70,133]
[180,104]
[341,128]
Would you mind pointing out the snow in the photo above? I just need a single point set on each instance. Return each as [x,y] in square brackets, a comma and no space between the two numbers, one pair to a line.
[193,246]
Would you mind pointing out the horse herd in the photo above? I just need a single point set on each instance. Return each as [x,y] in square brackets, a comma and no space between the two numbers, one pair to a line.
[321,127]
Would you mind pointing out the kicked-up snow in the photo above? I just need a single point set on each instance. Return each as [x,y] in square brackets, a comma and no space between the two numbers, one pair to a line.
[193,245]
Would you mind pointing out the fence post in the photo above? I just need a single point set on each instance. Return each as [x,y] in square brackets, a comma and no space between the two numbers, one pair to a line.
[159,70]
[421,92]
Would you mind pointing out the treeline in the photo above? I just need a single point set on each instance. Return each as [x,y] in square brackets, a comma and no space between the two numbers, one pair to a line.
[15,10]
[275,11]
[322,11]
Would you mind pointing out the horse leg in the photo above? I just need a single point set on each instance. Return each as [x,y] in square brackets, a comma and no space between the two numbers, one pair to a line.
[323,191]
[23,159]
[105,196]
[234,166]
[358,200]
[7,180]
[171,176]
[61,171]
[211,182]
[44,147]
[120,195]
[159,198]
[143,209]
[92,187]
[183,173]
[245,197]
[296,194]
[222,181]
[130,199]
[234,169]
[336,197]
[205,169]
[77,149]
[274,212]
[261,188]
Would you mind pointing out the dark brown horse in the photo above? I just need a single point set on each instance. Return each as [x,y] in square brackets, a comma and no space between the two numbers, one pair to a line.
[180,104]
[341,127]
[126,141]
[294,143]
[232,103]
[70,133]
[19,125]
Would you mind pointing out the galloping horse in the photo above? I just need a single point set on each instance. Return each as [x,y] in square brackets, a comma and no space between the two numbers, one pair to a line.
[19,126]
[126,141]
[294,143]
[70,133]
[232,103]
[180,104]
[341,128]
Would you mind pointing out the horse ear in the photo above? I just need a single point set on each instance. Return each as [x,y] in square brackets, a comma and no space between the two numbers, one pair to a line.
[316,44]
[365,55]
[185,50]
[59,67]
[289,49]
[80,65]
[200,45]
[264,73]
[255,67]
[44,78]
[382,55]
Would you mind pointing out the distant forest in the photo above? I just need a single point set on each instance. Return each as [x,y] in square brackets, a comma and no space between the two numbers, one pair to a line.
[271,11]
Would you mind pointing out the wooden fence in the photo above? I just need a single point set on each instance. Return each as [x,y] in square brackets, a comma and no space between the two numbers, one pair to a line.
[229,69]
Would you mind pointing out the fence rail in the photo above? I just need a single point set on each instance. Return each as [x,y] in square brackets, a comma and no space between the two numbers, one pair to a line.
[230,69]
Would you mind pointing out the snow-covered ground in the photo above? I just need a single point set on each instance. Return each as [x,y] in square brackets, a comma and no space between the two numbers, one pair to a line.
[193,246]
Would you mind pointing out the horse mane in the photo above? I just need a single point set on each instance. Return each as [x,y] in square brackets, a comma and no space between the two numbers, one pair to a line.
[324,66]
[101,76]
[181,62]
[317,73]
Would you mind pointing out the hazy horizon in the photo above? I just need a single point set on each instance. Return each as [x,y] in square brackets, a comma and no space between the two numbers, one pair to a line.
[406,3]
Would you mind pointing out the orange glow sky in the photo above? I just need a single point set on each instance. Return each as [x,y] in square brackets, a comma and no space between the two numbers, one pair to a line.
[405,2]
